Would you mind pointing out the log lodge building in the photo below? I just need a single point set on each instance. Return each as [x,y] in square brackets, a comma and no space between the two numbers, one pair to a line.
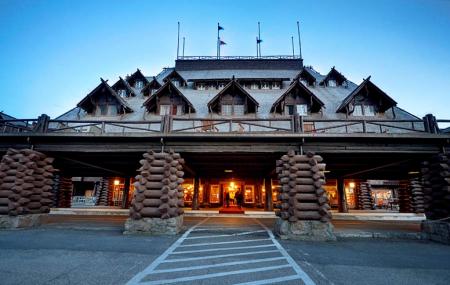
[231,119]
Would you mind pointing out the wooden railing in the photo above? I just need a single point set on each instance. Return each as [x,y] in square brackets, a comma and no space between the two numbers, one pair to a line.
[174,125]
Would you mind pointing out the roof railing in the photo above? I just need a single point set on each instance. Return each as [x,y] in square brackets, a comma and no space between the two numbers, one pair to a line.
[238,57]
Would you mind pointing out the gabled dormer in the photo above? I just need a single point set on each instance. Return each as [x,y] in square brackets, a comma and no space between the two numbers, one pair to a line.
[366,100]
[333,79]
[104,101]
[151,87]
[137,80]
[168,100]
[306,77]
[176,79]
[233,100]
[297,100]
[123,89]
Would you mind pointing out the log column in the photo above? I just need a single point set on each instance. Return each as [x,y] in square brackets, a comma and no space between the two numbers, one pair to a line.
[26,180]
[65,192]
[126,191]
[417,195]
[157,206]
[404,197]
[342,206]
[303,209]
[269,194]
[364,192]
[195,202]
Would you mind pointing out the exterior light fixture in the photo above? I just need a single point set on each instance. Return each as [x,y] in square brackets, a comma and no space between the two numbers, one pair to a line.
[116,182]
[413,172]
[351,184]
[228,170]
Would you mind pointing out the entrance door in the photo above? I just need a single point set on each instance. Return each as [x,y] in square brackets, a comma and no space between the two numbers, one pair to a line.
[232,188]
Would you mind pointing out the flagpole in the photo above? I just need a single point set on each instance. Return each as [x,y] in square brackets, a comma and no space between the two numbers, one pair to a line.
[293,50]
[178,41]
[183,47]
[257,43]
[299,42]
[259,37]
[218,42]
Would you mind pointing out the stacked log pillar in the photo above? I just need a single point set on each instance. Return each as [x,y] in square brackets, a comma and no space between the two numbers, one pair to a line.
[26,180]
[157,205]
[417,196]
[404,197]
[436,190]
[364,192]
[65,192]
[104,192]
[303,209]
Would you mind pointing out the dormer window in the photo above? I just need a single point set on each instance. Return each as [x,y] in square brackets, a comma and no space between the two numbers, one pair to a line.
[221,85]
[230,110]
[332,83]
[139,84]
[177,83]
[265,85]
[200,86]
[364,110]
[254,86]
[276,85]
[300,109]
[122,93]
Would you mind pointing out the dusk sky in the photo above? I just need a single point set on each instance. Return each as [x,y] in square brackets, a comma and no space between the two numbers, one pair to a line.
[54,52]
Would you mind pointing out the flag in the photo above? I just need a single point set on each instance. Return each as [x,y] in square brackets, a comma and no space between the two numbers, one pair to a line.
[222,42]
[219,27]
[258,41]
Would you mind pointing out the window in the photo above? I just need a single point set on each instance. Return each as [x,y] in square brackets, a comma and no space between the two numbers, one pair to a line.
[254,86]
[214,194]
[221,85]
[302,109]
[201,86]
[304,82]
[112,109]
[289,110]
[369,110]
[226,110]
[179,110]
[332,83]
[164,110]
[176,83]
[276,85]
[249,194]
[238,110]
[123,93]
[103,109]
[265,85]
[139,84]
[357,110]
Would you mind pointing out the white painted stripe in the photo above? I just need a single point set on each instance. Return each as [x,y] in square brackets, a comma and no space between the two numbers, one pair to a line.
[250,261]
[223,242]
[223,248]
[157,261]
[218,256]
[227,235]
[305,278]
[270,281]
[213,275]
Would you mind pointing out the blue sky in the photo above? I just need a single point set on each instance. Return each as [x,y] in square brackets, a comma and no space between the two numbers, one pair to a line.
[52,53]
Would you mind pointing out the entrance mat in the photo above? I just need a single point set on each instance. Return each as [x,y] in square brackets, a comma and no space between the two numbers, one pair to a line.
[231,210]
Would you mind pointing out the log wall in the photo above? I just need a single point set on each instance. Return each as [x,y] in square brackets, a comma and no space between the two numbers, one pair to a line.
[417,202]
[436,187]
[158,188]
[65,192]
[301,196]
[404,197]
[26,180]
[364,192]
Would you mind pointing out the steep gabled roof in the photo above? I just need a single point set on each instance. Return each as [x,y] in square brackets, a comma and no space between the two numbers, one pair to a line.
[334,74]
[153,84]
[305,74]
[167,88]
[4,116]
[369,89]
[123,84]
[232,85]
[88,104]
[316,103]
[174,74]
[136,76]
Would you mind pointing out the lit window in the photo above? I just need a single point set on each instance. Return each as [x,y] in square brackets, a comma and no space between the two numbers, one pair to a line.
[123,93]
[164,110]
[357,111]
[369,110]
[254,86]
[302,109]
[265,85]
[139,84]
[276,85]
[214,194]
[201,86]
[226,110]
[249,194]
[289,110]
[238,110]
[332,83]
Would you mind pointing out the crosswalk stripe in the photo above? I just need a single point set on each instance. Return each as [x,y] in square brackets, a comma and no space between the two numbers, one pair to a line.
[223,242]
[250,261]
[213,275]
[227,235]
[273,280]
[218,256]
[224,248]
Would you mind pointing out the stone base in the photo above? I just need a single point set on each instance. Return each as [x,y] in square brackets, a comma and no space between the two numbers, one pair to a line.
[436,230]
[304,230]
[21,221]
[154,226]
